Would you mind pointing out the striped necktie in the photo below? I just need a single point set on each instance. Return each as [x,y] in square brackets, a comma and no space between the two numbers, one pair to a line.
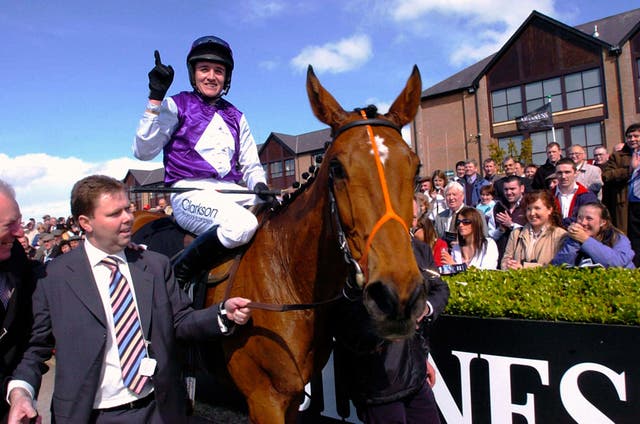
[129,337]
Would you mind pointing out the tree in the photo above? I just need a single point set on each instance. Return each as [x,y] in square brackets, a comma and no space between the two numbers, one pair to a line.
[525,155]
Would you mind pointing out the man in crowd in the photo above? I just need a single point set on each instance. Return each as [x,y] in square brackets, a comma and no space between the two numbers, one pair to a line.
[103,376]
[519,168]
[616,176]
[570,194]
[445,221]
[30,229]
[600,156]
[490,170]
[510,214]
[17,280]
[633,217]
[460,172]
[28,249]
[509,165]
[607,193]
[473,182]
[588,175]
[46,250]
[554,154]
[530,172]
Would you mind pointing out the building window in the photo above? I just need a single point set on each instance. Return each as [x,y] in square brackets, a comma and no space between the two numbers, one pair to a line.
[275,169]
[289,167]
[580,89]
[539,142]
[583,88]
[506,103]
[538,92]
[588,136]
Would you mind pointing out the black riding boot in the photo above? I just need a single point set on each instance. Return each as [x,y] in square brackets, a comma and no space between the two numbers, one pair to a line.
[202,254]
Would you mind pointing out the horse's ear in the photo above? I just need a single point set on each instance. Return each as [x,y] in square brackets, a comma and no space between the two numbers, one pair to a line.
[404,108]
[324,105]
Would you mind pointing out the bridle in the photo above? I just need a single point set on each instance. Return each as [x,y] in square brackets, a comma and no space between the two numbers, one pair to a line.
[357,279]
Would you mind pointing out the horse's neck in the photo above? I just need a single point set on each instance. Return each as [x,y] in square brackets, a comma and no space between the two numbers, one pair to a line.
[303,238]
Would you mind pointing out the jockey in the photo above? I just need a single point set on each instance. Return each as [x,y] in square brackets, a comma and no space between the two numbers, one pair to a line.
[208,146]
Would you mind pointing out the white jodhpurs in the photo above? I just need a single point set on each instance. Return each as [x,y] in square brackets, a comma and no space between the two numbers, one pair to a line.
[199,210]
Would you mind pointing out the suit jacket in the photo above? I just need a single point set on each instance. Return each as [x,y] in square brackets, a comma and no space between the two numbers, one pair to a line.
[440,223]
[616,176]
[21,274]
[472,190]
[67,308]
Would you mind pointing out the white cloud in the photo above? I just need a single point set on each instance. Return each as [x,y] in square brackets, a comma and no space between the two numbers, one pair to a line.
[268,65]
[341,56]
[260,9]
[478,28]
[43,183]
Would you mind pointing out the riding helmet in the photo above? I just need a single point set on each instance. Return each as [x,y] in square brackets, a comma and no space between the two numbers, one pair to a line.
[212,49]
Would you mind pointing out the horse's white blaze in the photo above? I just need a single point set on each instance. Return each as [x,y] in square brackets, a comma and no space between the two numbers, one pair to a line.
[383,150]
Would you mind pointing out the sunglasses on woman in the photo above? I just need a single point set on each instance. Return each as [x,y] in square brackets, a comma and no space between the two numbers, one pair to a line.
[464,221]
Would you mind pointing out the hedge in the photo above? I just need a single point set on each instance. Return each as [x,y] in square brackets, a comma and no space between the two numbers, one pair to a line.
[590,295]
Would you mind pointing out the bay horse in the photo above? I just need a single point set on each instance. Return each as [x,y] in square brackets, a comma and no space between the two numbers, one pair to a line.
[350,223]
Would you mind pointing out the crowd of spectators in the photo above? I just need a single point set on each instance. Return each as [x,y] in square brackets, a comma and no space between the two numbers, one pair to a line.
[568,211]
[51,237]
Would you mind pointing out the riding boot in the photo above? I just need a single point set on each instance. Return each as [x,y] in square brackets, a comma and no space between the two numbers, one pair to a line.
[202,254]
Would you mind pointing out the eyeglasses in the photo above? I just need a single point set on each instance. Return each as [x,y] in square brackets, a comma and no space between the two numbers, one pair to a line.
[463,221]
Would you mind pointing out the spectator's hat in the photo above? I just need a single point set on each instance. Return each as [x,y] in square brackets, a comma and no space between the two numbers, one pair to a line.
[46,237]
[551,176]
[57,233]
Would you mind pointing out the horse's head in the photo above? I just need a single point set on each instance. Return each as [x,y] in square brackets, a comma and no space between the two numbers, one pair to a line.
[372,171]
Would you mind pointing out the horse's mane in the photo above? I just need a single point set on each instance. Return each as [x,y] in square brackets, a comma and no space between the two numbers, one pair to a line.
[264,210]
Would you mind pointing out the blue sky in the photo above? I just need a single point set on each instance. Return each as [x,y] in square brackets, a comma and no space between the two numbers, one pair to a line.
[74,74]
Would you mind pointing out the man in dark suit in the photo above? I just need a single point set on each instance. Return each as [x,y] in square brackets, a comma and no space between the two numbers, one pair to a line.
[73,305]
[445,220]
[17,280]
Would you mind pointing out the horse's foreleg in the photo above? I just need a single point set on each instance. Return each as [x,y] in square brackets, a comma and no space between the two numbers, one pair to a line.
[266,403]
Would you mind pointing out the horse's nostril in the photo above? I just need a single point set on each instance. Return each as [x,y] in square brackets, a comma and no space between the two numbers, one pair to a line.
[386,300]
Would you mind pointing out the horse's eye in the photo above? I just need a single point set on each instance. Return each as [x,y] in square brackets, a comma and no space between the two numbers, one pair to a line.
[336,169]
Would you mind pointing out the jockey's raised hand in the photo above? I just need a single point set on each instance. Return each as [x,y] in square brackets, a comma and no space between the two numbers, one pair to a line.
[160,79]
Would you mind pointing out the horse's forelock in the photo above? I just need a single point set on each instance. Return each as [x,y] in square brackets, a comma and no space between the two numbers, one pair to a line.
[371,111]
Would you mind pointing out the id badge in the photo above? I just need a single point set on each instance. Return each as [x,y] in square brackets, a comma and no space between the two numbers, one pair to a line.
[147,367]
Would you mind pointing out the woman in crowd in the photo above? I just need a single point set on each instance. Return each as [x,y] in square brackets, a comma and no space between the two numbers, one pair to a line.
[537,242]
[473,248]
[438,204]
[592,239]
[422,202]
[424,231]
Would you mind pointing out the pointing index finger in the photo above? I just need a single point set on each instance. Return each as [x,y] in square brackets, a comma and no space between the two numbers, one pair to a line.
[156,53]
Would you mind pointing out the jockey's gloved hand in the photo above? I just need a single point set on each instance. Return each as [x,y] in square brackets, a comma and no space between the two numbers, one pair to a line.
[160,79]
[265,194]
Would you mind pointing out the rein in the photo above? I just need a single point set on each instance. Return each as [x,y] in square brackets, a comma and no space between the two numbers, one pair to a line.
[357,279]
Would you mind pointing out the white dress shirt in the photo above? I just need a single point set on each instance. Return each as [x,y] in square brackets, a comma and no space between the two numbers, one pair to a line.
[111,391]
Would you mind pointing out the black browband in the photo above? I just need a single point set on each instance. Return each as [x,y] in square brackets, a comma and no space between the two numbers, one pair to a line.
[375,122]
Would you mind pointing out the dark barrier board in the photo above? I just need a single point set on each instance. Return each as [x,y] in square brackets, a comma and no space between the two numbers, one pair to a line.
[503,370]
